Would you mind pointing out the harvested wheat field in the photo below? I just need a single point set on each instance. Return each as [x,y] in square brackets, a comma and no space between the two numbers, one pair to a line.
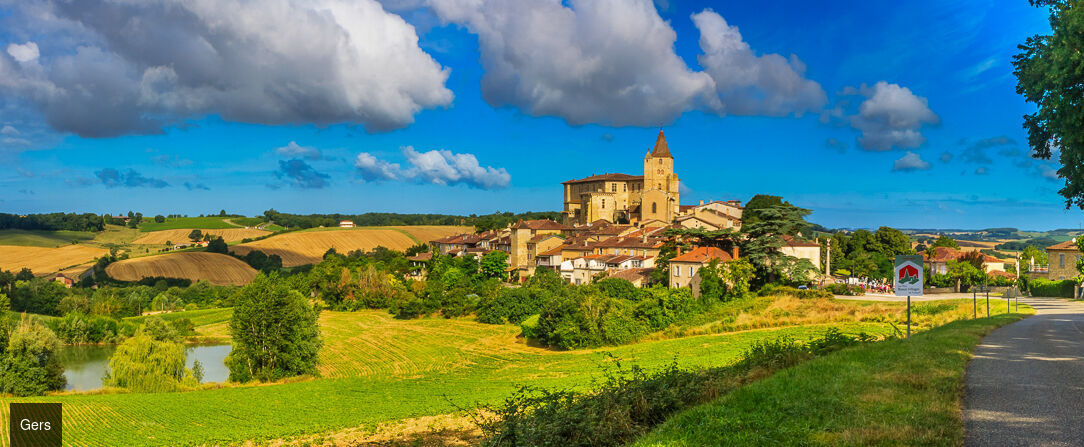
[308,247]
[42,260]
[216,268]
[181,236]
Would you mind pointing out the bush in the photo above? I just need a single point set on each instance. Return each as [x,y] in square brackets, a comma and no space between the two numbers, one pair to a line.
[29,365]
[845,289]
[77,328]
[150,362]
[1045,287]
[512,305]
[777,290]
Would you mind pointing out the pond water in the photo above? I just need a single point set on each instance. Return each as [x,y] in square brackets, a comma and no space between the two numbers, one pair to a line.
[84,366]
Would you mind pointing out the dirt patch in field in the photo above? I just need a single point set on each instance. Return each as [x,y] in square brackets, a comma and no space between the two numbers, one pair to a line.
[308,247]
[181,236]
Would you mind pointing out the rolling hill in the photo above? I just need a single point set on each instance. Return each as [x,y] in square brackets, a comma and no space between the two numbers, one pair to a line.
[308,247]
[216,268]
[178,236]
[42,260]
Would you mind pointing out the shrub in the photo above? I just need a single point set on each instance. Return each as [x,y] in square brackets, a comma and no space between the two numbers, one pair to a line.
[775,290]
[512,305]
[1045,287]
[76,327]
[150,362]
[618,288]
[845,289]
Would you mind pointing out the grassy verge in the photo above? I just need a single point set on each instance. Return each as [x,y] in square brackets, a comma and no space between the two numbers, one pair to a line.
[899,392]
[204,223]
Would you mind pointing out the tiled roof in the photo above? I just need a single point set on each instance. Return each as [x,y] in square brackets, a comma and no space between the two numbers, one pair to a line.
[540,224]
[661,149]
[632,274]
[703,254]
[792,242]
[540,237]
[607,177]
[421,257]
[553,252]
[630,242]
[1067,245]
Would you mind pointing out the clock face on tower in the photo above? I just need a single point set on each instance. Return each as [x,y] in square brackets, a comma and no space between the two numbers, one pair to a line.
[658,171]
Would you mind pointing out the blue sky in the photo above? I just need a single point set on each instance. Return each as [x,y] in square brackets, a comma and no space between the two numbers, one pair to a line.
[870,113]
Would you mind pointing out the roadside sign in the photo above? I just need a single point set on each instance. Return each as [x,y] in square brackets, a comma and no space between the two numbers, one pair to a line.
[908,275]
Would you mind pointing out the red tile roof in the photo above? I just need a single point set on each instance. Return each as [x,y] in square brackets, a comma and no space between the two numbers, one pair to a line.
[792,242]
[703,254]
[632,275]
[661,150]
[1067,245]
[540,224]
[607,177]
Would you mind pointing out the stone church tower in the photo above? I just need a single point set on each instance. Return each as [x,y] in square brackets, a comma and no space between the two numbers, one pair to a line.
[660,193]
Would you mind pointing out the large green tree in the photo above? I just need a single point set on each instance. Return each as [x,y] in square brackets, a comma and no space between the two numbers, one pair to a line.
[28,362]
[1050,73]
[751,212]
[494,264]
[152,361]
[275,332]
[764,240]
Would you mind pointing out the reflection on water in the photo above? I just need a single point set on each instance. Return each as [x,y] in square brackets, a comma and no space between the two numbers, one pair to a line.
[84,366]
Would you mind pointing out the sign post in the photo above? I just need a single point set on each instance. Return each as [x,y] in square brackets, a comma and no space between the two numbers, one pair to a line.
[908,281]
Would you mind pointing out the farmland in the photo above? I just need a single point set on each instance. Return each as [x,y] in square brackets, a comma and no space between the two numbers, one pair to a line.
[40,238]
[44,260]
[465,362]
[216,268]
[209,223]
[181,235]
[308,247]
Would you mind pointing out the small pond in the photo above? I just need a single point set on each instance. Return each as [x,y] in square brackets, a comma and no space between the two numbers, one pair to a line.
[84,366]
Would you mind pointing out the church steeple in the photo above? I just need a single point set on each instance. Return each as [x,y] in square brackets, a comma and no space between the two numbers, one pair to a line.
[661,150]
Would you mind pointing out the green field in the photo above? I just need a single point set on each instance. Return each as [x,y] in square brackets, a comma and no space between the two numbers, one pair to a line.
[377,369]
[43,238]
[899,392]
[203,223]
[246,221]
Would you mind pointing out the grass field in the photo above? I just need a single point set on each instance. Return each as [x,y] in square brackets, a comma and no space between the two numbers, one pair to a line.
[378,369]
[216,268]
[308,247]
[212,223]
[181,236]
[245,221]
[209,323]
[43,260]
[41,238]
[899,392]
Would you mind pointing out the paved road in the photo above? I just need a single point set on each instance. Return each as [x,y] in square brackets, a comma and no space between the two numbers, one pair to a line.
[1025,385]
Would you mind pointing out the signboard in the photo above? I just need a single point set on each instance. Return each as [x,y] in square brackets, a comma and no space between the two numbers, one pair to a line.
[908,275]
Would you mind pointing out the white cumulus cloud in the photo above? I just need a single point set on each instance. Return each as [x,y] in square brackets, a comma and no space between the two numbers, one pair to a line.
[439,167]
[890,117]
[122,67]
[910,162]
[295,150]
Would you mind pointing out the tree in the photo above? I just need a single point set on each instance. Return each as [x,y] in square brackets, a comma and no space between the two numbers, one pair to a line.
[29,364]
[944,241]
[891,242]
[751,212]
[1049,73]
[159,218]
[218,245]
[24,275]
[494,264]
[222,213]
[152,361]
[195,235]
[764,239]
[1032,255]
[275,332]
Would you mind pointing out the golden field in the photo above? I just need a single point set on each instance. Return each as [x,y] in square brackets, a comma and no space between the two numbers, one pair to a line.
[216,268]
[181,236]
[308,247]
[42,260]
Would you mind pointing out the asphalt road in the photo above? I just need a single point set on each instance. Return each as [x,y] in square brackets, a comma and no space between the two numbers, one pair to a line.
[1025,385]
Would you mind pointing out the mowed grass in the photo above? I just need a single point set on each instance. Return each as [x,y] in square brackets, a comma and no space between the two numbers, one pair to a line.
[899,392]
[42,238]
[216,268]
[42,260]
[175,223]
[209,323]
[461,375]
[181,236]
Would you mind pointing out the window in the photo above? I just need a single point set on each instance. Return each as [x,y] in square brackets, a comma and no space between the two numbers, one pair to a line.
[654,209]
[625,187]
[1061,259]
[677,271]
[690,271]
[603,203]
[613,187]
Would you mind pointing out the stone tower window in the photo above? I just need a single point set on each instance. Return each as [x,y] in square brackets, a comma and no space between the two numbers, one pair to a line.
[654,208]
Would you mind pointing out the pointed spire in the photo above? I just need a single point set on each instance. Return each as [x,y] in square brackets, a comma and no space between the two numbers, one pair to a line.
[661,150]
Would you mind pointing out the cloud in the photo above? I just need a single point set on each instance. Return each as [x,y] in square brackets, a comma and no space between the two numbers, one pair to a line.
[79,182]
[26,192]
[15,142]
[9,131]
[1048,173]
[980,171]
[890,117]
[301,174]
[438,167]
[196,186]
[113,178]
[613,63]
[24,173]
[608,137]
[836,144]
[24,53]
[171,161]
[910,162]
[946,157]
[976,152]
[748,84]
[297,151]
[123,67]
